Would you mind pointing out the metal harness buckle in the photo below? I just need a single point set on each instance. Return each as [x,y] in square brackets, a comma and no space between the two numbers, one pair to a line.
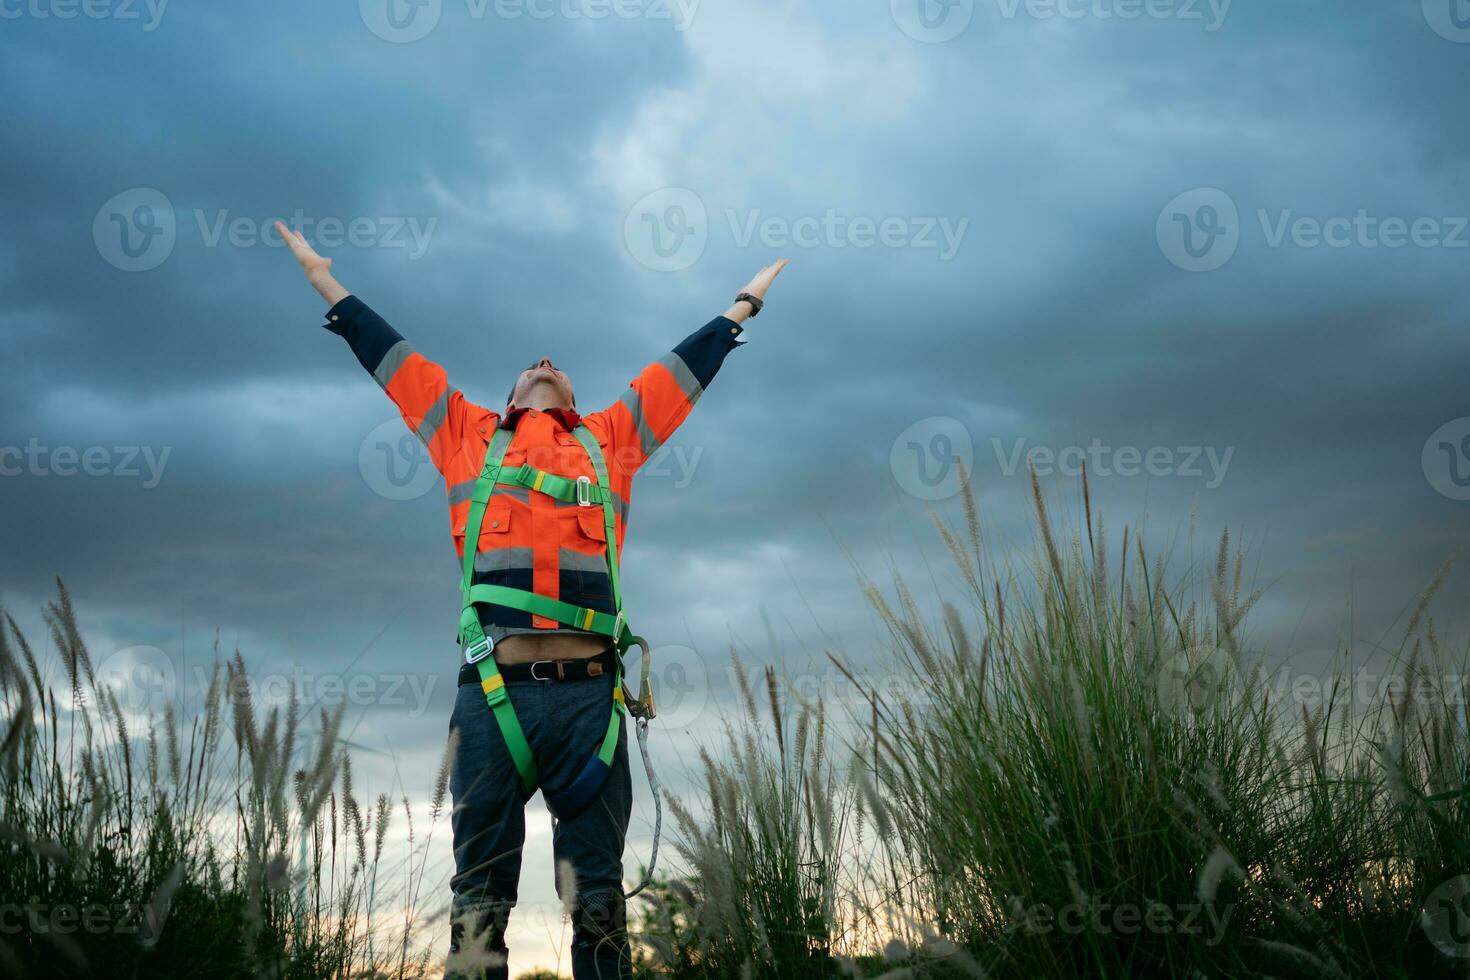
[478,650]
[584,491]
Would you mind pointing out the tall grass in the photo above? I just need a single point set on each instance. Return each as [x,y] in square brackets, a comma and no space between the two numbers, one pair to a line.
[1083,770]
[768,854]
[223,846]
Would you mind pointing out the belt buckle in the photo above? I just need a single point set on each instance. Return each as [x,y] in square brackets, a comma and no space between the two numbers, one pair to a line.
[478,650]
[538,663]
[584,491]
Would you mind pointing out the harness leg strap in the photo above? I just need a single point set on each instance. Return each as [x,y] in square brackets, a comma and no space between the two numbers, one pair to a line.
[510,726]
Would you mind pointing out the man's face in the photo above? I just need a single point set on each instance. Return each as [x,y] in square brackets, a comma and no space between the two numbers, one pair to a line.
[553,387]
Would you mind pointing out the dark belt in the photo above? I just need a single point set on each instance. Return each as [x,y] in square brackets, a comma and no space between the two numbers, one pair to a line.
[547,670]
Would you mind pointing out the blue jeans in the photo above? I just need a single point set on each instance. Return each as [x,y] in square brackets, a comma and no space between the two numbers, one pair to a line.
[564,722]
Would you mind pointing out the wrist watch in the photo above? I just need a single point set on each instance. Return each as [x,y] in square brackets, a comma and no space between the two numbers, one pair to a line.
[755,303]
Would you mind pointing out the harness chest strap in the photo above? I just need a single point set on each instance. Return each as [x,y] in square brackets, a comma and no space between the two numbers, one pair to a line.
[613,626]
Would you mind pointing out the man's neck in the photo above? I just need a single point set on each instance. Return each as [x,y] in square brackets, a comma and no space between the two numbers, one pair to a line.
[541,397]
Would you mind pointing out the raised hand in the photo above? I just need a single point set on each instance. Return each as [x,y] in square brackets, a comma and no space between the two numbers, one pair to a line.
[318,269]
[756,287]
[312,263]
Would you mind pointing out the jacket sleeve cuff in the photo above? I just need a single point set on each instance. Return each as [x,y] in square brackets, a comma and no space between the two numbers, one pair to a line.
[341,314]
[369,335]
[729,331]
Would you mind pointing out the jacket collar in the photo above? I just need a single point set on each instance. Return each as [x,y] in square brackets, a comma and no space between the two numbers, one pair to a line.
[567,418]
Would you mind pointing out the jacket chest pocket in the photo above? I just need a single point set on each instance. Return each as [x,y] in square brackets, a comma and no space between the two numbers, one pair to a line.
[494,527]
[590,520]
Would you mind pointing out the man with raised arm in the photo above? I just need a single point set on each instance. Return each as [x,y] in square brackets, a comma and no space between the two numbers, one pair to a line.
[541,494]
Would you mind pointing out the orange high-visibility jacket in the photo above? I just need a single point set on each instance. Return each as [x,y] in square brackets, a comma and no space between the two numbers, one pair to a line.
[528,540]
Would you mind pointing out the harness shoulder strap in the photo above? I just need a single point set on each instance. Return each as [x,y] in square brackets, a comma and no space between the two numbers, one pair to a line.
[484,487]
[609,520]
[472,634]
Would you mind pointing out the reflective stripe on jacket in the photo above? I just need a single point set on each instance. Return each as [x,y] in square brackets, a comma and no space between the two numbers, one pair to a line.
[529,540]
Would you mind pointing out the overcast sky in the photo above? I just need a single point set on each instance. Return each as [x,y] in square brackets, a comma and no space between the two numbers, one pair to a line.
[1217,250]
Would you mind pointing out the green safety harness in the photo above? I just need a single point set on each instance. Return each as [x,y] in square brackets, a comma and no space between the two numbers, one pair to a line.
[569,800]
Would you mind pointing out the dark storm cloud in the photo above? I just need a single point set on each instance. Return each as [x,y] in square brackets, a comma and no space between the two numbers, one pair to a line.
[1059,322]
